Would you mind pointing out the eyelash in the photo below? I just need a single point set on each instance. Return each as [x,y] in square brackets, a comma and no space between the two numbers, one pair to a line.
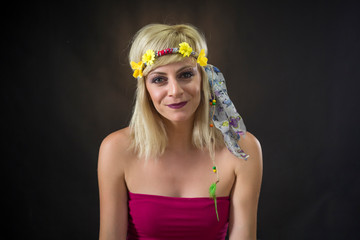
[188,73]
[158,80]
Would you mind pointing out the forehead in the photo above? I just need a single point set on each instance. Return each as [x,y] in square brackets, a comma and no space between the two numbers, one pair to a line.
[186,62]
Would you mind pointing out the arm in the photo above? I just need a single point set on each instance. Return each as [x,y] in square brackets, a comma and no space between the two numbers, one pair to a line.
[246,190]
[112,189]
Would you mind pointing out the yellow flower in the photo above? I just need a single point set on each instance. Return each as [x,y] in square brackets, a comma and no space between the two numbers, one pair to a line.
[149,57]
[225,123]
[202,60]
[185,49]
[137,67]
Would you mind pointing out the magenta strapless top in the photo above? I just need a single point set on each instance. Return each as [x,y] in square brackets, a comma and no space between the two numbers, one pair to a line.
[153,217]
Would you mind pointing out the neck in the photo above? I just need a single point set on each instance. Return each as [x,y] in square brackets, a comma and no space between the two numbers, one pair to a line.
[179,135]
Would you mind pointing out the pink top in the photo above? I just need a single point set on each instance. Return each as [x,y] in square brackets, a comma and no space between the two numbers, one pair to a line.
[153,217]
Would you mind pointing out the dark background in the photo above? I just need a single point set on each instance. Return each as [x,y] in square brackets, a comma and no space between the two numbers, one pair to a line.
[292,70]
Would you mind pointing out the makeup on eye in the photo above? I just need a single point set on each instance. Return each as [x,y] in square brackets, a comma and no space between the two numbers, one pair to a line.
[189,70]
[159,78]
[187,74]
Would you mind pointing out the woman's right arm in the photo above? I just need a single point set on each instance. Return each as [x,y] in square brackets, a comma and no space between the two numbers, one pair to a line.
[112,188]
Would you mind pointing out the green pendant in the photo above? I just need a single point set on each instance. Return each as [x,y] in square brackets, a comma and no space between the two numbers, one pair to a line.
[212,192]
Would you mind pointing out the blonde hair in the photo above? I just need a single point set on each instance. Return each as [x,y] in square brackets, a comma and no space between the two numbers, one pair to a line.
[148,134]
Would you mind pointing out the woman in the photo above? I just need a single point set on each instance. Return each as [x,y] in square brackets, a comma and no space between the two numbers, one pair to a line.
[154,176]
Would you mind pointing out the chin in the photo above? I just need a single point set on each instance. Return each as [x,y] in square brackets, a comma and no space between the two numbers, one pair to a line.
[178,117]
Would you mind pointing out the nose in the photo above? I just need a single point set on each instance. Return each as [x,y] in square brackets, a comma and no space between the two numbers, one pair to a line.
[175,89]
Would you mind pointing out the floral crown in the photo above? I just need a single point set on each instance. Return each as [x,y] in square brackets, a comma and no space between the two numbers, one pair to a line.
[150,55]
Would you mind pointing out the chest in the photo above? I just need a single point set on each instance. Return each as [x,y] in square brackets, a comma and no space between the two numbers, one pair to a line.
[181,176]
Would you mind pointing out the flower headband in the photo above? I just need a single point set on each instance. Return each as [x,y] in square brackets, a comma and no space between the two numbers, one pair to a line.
[150,55]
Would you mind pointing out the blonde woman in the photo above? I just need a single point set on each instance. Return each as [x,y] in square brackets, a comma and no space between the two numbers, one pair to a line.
[185,168]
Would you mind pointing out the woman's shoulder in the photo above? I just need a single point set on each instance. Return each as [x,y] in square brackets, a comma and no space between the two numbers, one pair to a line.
[117,138]
[251,146]
[114,149]
[249,143]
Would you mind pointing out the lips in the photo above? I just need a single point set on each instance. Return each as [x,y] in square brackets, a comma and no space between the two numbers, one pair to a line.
[177,105]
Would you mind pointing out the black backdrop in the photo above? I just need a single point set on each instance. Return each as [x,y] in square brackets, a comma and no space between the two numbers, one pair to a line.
[292,71]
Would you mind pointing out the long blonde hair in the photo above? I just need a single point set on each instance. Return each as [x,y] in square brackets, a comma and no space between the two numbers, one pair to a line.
[148,133]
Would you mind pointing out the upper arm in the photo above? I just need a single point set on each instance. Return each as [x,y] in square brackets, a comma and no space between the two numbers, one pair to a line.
[246,190]
[112,189]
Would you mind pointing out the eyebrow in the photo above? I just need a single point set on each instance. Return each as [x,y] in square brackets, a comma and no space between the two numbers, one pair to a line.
[181,69]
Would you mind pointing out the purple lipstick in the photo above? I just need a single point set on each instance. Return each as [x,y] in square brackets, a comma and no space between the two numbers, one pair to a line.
[177,105]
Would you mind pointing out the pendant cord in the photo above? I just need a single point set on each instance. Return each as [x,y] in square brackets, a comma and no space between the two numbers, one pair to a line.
[212,189]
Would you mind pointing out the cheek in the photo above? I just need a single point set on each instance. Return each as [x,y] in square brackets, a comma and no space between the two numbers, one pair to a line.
[155,95]
[198,89]
[197,92]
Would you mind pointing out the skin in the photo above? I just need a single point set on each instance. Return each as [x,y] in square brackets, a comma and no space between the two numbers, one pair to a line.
[181,171]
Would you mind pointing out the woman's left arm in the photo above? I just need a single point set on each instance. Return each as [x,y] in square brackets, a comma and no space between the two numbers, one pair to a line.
[246,190]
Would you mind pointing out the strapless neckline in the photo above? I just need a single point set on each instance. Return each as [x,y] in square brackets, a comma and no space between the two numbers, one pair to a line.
[175,198]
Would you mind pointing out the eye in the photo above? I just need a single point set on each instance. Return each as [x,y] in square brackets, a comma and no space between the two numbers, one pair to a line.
[158,80]
[187,74]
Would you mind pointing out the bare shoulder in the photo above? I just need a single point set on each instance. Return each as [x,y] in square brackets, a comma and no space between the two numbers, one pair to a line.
[251,146]
[114,152]
[112,164]
[116,140]
[246,190]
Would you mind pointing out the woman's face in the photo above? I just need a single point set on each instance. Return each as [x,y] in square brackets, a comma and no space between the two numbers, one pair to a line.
[175,89]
